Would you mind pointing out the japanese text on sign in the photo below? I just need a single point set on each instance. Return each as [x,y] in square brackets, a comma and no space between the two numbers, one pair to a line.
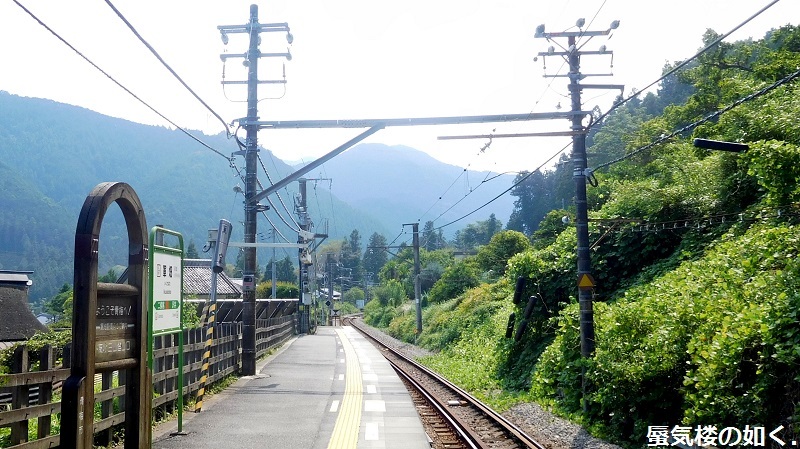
[707,435]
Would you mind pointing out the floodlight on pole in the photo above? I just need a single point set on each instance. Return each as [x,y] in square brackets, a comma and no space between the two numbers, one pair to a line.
[720,145]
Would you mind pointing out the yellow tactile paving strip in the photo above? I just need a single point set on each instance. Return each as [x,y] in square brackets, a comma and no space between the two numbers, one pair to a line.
[345,431]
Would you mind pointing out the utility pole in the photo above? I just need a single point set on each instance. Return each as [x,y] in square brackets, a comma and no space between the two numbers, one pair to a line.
[274,268]
[329,271]
[417,287]
[304,222]
[586,284]
[253,29]
[250,210]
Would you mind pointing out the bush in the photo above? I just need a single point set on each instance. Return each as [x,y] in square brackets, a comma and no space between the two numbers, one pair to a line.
[282,290]
[712,342]
[455,280]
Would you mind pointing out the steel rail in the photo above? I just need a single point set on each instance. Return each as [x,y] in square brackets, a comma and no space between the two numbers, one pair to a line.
[509,427]
[463,431]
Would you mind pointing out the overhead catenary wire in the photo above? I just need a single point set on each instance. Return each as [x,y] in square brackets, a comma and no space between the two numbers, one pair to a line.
[508,189]
[708,117]
[120,85]
[167,66]
[683,64]
[269,178]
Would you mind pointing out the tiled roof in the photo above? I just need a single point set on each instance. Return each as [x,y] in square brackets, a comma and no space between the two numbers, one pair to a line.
[197,280]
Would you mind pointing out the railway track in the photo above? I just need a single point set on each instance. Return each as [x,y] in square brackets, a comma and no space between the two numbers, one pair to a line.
[452,417]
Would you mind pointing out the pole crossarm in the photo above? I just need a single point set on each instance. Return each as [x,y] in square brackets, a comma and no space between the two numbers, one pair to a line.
[500,136]
[268,245]
[416,121]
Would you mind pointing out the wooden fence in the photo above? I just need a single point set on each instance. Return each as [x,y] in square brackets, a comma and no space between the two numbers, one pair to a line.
[27,395]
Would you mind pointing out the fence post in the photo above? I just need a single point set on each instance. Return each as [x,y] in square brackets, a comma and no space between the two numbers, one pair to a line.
[45,391]
[105,437]
[19,395]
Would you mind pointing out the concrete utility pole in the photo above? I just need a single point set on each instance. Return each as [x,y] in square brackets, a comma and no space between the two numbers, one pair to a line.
[585,282]
[253,29]
[302,256]
[329,271]
[417,286]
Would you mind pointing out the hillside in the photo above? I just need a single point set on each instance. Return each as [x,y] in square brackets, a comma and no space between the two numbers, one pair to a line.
[409,182]
[55,154]
[694,257]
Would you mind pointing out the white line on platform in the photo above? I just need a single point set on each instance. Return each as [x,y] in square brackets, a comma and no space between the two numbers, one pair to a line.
[371,432]
[374,406]
[334,406]
[341,376]
[371,389]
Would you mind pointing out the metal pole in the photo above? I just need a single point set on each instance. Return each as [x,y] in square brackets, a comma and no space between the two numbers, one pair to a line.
[250,209]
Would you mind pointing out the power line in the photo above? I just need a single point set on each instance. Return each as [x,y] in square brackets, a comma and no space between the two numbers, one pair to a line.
[713,115]
[508,189]
[167,66]
[260,161]
[115,81]
[682,64]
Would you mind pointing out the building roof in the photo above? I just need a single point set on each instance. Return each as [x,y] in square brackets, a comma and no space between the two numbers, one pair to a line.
[17,322]
[197,280]
[11,277]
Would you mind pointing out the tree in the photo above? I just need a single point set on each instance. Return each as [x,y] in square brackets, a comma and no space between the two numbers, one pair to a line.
[375,257]
[60,305]
[495,255]
[285,271]
[351,255]
[191,251]
[455,280]
[353,295]
[431,239]
[477,234]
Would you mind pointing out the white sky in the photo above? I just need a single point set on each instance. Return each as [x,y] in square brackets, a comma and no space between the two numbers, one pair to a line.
[359,59]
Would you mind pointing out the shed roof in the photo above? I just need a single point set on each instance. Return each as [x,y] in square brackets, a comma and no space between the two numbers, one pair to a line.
[13,277]
[17,322]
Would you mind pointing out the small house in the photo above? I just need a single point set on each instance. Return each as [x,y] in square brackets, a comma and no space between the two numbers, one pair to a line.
[17,322]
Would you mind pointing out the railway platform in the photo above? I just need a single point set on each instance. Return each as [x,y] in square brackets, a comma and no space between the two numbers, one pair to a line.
[332,389]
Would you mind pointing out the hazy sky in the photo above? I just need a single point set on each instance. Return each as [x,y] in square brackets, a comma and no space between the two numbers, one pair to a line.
[359,59]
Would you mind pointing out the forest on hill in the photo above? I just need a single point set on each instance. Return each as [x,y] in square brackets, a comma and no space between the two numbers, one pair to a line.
[694,254]
[53,155]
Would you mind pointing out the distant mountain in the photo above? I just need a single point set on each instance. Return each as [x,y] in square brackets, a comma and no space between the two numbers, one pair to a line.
[53,154]
[398,184]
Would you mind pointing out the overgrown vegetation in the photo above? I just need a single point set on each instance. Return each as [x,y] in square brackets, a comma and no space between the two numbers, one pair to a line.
[694,254]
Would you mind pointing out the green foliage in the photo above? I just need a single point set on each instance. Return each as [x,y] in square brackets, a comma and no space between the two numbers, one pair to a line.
[57,339]
[282,290]
[456,279]
[712,341]
[375,257]
[353,295]
[776,166]
[60,306]
[503,245]
[477,234]
[346,308]
[377,314]
[391,294]
[189,316]
[551,225]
